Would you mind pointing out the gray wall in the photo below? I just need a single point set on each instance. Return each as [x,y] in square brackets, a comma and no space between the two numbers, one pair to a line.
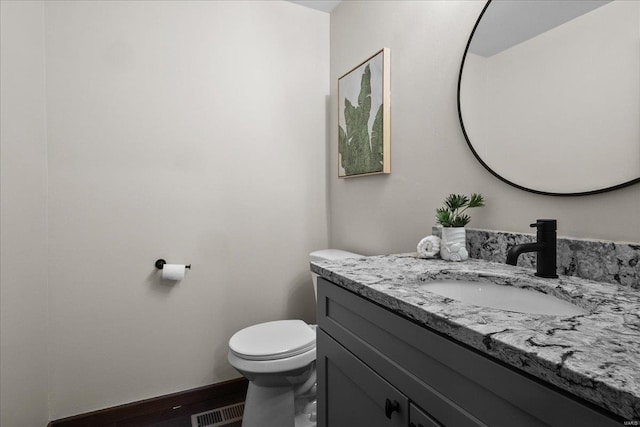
[429,156]
[23,217]
[193,131]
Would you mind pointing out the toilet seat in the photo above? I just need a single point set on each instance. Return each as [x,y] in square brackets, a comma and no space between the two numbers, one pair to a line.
[280,339]
[287,364]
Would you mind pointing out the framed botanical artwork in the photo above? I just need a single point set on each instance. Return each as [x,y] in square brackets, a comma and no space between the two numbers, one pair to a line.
[364,119]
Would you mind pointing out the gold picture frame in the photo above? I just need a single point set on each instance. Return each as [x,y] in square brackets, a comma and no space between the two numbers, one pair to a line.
[364,118]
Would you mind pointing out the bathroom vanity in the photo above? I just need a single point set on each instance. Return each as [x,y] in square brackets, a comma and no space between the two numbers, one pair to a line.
[391,353]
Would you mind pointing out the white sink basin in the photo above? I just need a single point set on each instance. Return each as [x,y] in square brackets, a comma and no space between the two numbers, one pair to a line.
[503,297]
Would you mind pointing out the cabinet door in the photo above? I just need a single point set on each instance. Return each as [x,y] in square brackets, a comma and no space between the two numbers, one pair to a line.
[417,418]
[350,394]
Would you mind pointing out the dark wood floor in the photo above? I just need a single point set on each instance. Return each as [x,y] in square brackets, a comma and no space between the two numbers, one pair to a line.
[172,410]
[180,417]
[176,422]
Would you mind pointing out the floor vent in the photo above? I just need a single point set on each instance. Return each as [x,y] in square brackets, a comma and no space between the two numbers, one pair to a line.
[219,416]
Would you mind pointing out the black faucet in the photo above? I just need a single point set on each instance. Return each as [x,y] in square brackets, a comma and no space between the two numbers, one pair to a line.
[545,249]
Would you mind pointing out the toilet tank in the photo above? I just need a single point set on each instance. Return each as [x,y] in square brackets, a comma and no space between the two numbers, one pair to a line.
[327,255]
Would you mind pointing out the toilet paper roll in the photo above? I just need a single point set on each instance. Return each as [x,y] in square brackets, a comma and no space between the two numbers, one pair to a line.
[173,271]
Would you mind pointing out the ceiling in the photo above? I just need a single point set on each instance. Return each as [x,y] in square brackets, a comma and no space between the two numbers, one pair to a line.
[323,5]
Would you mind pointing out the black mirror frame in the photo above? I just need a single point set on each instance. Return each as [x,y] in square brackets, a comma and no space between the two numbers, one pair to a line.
[494,173]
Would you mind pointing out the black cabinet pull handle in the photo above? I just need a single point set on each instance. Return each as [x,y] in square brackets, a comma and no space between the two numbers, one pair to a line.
[391,407]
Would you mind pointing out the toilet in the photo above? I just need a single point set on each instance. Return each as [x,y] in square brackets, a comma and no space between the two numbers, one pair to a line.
[279,360]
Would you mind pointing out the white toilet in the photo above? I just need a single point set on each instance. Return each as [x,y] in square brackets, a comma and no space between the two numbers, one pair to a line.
[279,360]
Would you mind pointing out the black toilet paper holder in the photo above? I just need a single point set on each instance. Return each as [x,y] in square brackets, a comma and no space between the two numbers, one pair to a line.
[160,264]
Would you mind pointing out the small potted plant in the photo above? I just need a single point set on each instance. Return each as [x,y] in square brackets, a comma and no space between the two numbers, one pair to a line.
[453,218]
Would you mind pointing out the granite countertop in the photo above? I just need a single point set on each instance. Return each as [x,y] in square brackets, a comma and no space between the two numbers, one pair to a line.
[595,356]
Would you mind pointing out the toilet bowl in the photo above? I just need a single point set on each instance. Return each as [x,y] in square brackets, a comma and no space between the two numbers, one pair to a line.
[279,360]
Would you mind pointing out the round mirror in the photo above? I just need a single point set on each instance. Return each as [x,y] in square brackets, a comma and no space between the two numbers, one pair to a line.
[549,94]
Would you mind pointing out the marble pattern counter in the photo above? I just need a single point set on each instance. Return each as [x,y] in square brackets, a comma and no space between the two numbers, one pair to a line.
[595,356]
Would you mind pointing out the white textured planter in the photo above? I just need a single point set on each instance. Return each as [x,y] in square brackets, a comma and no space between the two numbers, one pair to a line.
[453,244]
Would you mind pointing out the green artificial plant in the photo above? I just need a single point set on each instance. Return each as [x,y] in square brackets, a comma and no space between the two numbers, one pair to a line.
[359,153]
[452,213]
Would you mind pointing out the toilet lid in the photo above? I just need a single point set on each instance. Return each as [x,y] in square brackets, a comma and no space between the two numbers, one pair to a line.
[273,340]
[331,254]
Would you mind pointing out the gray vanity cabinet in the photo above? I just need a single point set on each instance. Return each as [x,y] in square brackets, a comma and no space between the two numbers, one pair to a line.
[376,368]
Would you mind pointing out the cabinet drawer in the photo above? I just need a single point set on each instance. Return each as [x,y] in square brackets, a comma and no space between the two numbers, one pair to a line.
[351,394]
[457,385]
